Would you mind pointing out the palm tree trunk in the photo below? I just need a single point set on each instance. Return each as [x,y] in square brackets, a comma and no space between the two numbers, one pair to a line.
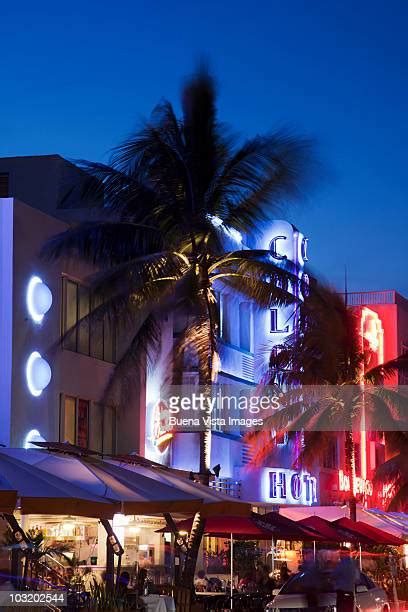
[351,471]
[205,454]
[194,542]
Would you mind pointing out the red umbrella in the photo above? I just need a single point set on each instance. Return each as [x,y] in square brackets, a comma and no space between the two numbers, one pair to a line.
[231,527]
[351,532]
[286,529]
[326,529]
[243,528]
[381,537]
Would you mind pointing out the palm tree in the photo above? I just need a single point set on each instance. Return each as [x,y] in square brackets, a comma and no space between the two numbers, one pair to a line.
[167,206]
[393,473]
[167,220]
[323,369]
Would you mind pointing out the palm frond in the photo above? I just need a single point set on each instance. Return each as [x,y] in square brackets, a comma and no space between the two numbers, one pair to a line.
[103,243]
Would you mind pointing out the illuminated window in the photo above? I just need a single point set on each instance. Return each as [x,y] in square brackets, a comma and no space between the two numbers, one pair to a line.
[75,421]
[69,423]
[88,424]
[82,423]
[96,338]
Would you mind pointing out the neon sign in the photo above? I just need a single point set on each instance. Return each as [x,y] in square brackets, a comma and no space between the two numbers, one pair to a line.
[361,486]
[281,486]
[372,334]
[161,434]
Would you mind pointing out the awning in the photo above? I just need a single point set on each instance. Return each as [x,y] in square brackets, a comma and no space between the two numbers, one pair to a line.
[391,522]
[329,513]
[214,503]
[130,493]
[40,492]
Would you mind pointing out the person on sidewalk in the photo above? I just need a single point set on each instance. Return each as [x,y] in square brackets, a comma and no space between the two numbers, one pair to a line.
[346,576]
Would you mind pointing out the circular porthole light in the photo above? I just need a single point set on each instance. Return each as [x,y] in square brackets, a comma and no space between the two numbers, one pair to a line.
[38,374]
[39,299]
[32,436]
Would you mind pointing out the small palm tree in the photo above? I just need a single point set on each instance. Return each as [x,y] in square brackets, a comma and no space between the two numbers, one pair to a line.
[323,369]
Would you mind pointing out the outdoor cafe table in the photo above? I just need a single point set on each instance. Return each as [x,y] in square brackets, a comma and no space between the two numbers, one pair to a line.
[158,603]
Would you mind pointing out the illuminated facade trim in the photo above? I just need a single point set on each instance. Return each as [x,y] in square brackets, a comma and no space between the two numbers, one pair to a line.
[38,299]
[38,374]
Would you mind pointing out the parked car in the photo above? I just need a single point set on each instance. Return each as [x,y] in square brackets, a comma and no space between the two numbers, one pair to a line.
[292,596]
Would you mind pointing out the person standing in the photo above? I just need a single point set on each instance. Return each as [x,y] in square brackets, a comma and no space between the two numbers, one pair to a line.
[345,575]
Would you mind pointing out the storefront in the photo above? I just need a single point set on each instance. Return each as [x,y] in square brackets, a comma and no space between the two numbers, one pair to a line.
[84,541]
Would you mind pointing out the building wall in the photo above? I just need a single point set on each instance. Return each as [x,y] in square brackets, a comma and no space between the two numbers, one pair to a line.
[73,374]
[46,182]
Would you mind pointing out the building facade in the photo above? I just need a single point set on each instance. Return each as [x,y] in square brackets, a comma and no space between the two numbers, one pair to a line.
[52,380]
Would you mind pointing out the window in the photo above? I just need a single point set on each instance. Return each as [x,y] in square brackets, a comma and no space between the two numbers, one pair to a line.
[274,323]
[4,185]
[88,424]
[69,427]
[226,306]
[75,420]
[245,326]
[96,338]
[83,423]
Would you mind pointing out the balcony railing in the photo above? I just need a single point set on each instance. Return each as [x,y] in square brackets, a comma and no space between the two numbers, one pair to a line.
[367,298]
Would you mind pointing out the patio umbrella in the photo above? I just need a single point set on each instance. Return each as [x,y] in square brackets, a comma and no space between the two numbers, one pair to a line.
[214,503]
[243,528]
[231,527]
[42,493]
[256,526]
[323,527]
[352,533]
[131,493]
[286,529]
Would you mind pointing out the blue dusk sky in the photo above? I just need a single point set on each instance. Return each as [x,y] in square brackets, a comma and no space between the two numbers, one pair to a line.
[78,76]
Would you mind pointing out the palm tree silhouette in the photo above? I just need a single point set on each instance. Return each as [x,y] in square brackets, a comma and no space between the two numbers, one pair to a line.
[326,383]
[175,208]
[169,218]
